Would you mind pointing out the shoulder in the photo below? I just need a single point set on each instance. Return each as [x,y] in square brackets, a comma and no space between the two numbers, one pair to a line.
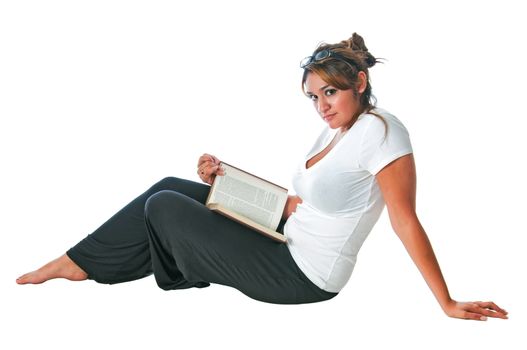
[384,139]
[380,121]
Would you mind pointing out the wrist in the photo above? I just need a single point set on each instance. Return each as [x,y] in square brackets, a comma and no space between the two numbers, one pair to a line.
[447,304]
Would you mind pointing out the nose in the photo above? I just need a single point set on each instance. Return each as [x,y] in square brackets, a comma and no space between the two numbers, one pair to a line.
[323,105]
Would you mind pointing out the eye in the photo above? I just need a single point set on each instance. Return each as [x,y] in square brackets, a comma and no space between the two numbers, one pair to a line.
[330,92]
[313,97]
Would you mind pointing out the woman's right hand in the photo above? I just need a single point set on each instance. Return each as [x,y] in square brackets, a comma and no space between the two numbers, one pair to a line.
[478,310]
[208,168]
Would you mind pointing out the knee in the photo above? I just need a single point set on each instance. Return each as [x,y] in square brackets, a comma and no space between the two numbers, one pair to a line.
[179,185]
[169,182]
[168,213]
[168,204]
[158,203]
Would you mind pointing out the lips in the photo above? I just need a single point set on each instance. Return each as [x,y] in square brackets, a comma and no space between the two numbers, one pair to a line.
[328,117]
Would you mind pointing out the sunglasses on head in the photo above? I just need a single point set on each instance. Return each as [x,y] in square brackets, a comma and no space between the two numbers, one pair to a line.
[320,56]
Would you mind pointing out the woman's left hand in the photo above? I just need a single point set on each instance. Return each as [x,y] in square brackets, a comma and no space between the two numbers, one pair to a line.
[477,310]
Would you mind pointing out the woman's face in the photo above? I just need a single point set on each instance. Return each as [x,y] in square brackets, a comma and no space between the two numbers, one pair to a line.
[336,107]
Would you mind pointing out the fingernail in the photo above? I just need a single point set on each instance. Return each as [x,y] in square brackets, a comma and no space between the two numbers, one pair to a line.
[483,318]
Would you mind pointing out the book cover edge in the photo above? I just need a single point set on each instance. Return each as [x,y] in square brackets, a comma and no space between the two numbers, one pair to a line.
[256,176]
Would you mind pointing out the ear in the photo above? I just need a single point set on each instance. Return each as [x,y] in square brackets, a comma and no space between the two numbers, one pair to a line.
[362,82]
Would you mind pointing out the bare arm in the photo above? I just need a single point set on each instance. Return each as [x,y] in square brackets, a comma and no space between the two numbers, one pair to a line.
[290,206]
[398,185]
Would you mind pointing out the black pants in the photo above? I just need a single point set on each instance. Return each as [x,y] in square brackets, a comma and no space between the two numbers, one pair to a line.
[168,231]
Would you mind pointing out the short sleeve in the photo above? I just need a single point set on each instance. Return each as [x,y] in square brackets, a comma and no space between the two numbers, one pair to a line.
[380,148]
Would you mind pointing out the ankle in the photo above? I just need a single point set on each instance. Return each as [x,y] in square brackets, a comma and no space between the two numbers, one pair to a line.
[70,270]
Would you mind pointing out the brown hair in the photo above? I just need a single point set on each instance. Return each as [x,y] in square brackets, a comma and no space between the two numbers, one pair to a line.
[342,71]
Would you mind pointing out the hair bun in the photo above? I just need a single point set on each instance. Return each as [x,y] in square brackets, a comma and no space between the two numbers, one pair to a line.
[369,59]
[355,43]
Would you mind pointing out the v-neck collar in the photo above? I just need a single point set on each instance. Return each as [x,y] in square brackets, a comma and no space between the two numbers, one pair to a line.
[332,136]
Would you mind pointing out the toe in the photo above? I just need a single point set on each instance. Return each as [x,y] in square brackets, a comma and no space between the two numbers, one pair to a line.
[22,279]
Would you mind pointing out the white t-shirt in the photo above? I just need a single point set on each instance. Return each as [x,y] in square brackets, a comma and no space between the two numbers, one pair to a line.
[341,197]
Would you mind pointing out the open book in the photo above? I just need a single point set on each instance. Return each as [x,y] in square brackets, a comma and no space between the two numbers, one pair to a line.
[249,200]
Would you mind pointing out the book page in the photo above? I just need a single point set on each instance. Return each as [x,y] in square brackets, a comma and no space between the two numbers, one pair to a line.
[279,237]
[250,196]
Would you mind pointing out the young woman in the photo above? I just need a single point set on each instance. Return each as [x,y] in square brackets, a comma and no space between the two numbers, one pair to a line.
[361,161]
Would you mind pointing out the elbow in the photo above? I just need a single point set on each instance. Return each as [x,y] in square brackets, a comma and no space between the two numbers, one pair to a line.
[404,222]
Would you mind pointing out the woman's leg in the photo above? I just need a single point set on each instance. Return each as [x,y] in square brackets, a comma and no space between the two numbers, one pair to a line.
[192,246]
[117,251]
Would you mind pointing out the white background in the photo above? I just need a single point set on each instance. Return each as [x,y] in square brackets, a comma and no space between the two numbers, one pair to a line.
[101,99]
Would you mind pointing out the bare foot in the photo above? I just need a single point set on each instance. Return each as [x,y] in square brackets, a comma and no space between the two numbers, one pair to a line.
[62,267]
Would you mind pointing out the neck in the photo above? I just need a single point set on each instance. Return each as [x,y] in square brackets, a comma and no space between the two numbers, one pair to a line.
[360,111]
